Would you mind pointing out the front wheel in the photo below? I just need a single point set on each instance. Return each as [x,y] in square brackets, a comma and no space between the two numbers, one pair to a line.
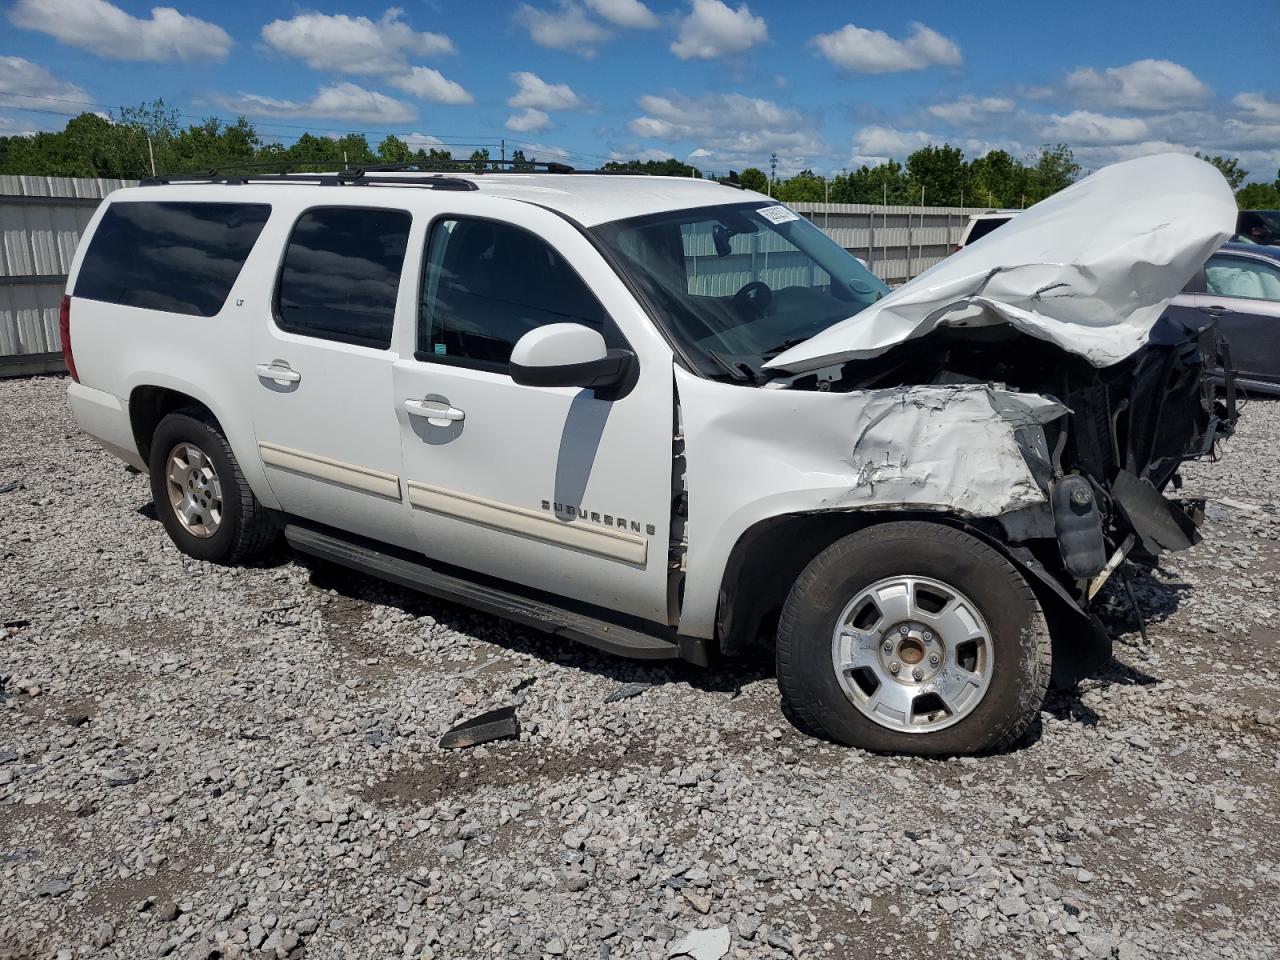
[913,637]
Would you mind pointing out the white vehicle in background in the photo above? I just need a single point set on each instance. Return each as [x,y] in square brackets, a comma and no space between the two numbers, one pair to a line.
[670,418]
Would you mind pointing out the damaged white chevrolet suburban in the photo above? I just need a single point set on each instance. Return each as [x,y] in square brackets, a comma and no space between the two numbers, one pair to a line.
[671,418]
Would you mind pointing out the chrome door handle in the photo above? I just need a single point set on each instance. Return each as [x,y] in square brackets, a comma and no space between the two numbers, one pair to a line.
[279,371]
[433,410]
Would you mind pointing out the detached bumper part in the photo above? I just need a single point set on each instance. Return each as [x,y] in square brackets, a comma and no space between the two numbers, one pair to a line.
[1159,523]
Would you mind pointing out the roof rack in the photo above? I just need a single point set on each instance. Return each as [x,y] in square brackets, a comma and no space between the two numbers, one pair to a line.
[341,178]
[282,171]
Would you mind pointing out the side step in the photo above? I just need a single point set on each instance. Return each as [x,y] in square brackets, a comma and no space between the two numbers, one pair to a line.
[541,615]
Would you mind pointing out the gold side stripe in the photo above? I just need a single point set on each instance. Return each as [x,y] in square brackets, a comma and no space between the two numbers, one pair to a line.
[573,534]
[334,471]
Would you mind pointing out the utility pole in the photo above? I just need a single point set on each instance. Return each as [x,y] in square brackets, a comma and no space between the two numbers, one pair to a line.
[502,149]
[152,154]
[773,171]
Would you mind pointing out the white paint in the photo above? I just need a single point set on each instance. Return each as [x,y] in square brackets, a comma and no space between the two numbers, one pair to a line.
[558,344]
[1090,269]
[756,454]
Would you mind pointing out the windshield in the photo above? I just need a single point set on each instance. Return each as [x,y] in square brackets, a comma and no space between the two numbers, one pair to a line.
[738,284]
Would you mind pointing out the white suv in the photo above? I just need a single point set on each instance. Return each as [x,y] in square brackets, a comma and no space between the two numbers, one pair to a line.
[664,417]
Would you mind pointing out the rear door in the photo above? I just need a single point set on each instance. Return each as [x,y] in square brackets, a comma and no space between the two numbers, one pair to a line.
[1243,293]
[559,489]
[324,415]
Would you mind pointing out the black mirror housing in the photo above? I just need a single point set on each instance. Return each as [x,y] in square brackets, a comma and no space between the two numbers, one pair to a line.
[612,370]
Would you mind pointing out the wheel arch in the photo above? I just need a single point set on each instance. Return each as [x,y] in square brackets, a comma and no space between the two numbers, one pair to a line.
[769,555]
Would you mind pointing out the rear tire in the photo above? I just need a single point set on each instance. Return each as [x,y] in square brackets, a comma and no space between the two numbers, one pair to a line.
[937,618]
[200,494]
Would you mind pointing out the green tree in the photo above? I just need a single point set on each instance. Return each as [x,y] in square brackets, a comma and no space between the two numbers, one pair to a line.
[1259,196]
[754,179]
[394,150]
[884,183]
[658,168]
[1055,169]
[520,162]
[805,187]
[940,172]
[1229,167]
[997,180]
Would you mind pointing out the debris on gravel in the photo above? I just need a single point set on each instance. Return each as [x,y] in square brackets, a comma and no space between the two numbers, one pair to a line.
[200,761]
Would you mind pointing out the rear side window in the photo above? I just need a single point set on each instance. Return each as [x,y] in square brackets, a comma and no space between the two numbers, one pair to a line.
[340,275]
[486,284]
[982,227]
[177,257]
[1228,276]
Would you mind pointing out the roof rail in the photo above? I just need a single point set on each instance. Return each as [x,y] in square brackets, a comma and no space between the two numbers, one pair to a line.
[341,178]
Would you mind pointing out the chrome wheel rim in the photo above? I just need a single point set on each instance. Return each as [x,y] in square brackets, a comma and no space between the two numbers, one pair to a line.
[195,493]
[913,654]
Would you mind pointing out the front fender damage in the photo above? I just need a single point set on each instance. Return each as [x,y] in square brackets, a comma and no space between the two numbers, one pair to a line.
[971,450]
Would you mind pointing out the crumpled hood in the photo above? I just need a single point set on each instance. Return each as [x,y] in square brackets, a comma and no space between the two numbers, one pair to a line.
[1090,269]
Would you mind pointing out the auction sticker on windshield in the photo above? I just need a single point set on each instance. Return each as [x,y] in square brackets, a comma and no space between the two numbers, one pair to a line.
[778,214]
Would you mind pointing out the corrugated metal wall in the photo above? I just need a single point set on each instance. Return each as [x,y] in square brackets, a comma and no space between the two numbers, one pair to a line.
[41,219]
[898,242]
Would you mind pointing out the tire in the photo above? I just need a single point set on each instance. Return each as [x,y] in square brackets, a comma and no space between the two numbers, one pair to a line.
[998,634]
[235,525]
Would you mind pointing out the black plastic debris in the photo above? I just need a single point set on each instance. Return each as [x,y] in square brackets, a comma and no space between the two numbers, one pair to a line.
[628,690]
[500,724]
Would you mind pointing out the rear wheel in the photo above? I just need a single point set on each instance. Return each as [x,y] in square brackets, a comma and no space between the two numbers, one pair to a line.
[912,637]
[200,494]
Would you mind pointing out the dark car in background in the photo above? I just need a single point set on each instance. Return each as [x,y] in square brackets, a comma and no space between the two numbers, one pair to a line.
[1239,286]
[1258,226]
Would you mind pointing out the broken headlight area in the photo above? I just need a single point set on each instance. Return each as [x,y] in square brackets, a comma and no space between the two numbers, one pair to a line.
[1107,467]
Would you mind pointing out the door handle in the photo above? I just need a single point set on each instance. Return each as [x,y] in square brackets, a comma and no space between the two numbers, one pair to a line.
[433,410]
[1213,311]
[279,371]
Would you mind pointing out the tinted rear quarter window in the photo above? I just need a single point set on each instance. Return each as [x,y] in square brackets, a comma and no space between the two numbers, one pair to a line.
[341,273]
[982,227]
[173,256]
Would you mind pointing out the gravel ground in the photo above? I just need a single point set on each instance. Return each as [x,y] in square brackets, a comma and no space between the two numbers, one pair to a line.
[200,762]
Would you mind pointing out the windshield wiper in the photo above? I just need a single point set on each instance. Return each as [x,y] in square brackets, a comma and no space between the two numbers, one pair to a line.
[735,368]
[784,345]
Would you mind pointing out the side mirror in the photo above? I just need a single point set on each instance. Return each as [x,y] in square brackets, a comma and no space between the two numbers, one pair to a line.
[568,355]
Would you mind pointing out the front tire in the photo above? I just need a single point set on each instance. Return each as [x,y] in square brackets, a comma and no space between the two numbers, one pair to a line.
[913,637]
[201,496]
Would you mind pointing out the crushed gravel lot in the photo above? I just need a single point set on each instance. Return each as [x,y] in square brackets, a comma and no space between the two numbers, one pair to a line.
[207,762]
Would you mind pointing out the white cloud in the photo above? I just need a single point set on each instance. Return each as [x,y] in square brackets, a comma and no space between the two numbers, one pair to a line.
[31,86]
[339,101]
[534,92]
[874,51]
[353,44]
[529,121]
[1085,127]
[1141,85]
[106,30]
[879,142]
[734,130]
[1257,106]
[625,13]
[969,109]
[712,29]
[568,28]
[428,84]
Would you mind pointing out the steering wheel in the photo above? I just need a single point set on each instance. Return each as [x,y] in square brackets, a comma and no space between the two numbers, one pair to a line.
[756,295]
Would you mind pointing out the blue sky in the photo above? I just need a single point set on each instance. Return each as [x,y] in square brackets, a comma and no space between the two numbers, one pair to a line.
[826,85]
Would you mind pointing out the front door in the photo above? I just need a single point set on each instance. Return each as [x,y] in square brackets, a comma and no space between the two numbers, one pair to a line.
[1243,293]
[324,415]
[554,488]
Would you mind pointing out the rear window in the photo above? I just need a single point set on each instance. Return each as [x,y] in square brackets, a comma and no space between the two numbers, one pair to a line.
[982,227]
[177,257]
[341,273]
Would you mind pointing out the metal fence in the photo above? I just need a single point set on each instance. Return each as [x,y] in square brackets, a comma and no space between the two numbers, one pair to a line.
[897,242]
[41,219]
